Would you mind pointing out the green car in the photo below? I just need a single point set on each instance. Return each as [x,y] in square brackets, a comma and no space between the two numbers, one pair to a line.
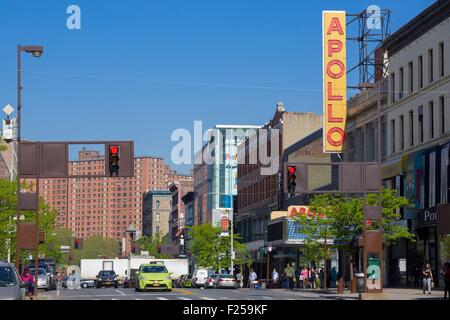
[187,282]
[153,276]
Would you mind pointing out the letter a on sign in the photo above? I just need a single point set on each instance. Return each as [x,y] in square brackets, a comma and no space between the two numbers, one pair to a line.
[334,80]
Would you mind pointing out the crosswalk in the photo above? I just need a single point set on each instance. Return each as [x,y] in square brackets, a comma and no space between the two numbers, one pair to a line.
[188,298]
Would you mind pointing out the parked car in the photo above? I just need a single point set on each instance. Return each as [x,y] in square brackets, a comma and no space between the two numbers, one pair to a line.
[225,281]
[187,281]
[43,281]
[87,283]
[210,280]
[49,271]
[199,277]
[106,278]
[11,286]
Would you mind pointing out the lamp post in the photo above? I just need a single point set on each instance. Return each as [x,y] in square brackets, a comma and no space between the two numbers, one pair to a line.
[36,51]
[268,250]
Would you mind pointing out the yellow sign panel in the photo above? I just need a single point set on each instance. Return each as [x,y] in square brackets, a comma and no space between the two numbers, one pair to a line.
[334,80]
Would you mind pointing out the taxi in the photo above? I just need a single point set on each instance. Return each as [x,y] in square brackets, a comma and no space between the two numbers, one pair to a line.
[153,276]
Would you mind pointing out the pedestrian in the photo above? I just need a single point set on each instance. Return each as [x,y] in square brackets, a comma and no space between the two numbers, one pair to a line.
[446,274]
[305,277]
[290,277]
[298,277]
[252,279]
[427,276]
[312,278]
[275,278]
[333,277]
[239,279]
[28,280]
[321,275]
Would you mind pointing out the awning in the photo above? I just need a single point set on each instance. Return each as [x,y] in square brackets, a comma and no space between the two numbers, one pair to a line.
[391,170]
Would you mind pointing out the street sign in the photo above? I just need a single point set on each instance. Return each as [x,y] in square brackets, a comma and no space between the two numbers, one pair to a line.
[8,130]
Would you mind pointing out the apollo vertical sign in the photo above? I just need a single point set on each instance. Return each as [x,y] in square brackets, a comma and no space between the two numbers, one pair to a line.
[335,80]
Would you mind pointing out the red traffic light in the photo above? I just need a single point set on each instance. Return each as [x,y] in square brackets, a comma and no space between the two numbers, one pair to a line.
[292,169]
[114,149]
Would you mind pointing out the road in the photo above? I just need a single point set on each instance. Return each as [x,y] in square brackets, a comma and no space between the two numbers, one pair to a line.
[176,294]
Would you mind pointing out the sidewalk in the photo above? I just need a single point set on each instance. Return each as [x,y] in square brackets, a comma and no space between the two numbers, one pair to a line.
[388,294]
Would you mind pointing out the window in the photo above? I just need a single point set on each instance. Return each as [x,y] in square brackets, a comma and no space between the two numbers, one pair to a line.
[393,136]
[400,76]
[402,133]
[411,128]
[431,114]
[157,217]
[393,87]
[411,76]
[430,65]
[157,230]
[420,71]
[442,113]
[441,59]
[421,124]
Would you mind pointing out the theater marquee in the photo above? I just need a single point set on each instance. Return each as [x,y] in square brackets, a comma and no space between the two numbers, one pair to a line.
[335,80]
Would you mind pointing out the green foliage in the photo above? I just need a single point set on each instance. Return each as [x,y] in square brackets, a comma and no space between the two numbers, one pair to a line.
[345,218]
[151,244]
[8,207]
[212,250]
[96,247]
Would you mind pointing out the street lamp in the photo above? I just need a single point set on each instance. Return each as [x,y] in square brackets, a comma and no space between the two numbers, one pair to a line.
[36,51]
[268,250]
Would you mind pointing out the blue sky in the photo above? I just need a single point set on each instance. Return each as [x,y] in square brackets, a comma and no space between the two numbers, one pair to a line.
[137,70]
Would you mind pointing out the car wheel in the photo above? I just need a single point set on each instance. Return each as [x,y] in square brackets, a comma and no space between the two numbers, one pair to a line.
[116,285]
[98,286]
[47,289]
[84,285]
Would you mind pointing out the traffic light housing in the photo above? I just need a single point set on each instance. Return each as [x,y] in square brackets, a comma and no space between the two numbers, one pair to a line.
[291,177]
[119,159]
[114,160]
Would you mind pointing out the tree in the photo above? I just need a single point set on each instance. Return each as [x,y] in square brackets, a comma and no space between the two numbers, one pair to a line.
[210,249]
[345,218]
[151,244]
[96,247]
[8,207]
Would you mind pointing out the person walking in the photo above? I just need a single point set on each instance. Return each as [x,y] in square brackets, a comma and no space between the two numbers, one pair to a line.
[297,277]
[333,277]
[252,279]
[290,277]
[305,277]
[427,276]
[446,274]
[275,278]
[28,280]
[312,278]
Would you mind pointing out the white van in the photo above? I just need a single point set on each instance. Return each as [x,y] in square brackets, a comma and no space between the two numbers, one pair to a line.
[199,277]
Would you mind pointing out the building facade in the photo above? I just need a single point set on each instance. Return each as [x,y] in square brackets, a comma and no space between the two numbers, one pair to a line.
[216,181]
[103,206]
[177,216]
[156,207]
[259,194]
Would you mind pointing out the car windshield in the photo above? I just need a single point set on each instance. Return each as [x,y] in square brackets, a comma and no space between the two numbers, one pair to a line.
[7,277]
[107,273]
[153,269]
[227,276]
[41,272]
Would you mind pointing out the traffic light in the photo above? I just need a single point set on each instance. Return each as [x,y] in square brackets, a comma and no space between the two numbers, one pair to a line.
[78,243]
[114,161]
[291,177]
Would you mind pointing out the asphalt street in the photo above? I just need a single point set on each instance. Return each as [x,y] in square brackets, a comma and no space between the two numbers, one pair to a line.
[176,294]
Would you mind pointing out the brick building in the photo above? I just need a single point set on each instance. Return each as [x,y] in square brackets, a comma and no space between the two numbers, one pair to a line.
[104,206]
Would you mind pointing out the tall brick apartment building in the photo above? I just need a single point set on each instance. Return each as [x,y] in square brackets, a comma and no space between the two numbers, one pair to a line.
[104,206]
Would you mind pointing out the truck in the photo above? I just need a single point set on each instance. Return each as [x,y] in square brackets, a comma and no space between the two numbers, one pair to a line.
[125,268]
